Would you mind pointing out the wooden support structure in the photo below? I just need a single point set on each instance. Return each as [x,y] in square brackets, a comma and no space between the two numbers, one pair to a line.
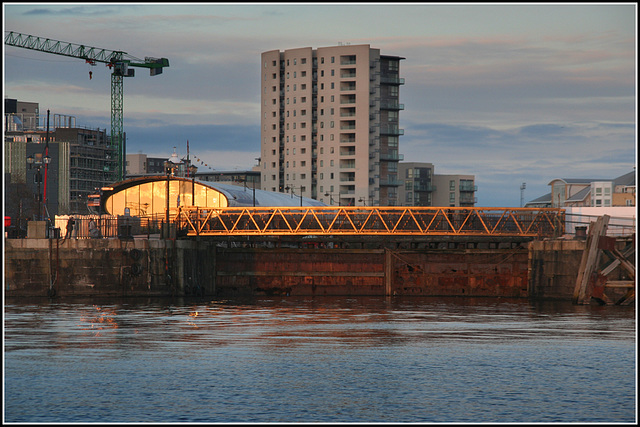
[592,282]
[590,259]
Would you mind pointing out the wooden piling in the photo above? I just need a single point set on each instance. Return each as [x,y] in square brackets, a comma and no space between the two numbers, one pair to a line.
[591,282]
[590,259]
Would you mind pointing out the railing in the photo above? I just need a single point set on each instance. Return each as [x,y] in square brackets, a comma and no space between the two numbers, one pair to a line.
[470,221]
[392,80]
[391,105]
[389,182]
[617,226]
[523,222]
[391,130]
[108,226]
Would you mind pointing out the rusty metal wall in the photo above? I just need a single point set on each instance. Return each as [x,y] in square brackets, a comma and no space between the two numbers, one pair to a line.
[285,271]
[436,272]
[466,272]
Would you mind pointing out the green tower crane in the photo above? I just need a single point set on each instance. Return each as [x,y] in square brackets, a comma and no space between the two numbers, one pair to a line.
[117,61]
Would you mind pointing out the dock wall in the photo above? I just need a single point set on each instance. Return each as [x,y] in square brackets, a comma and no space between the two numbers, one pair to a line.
[156,267]
[107,267]
[554,266]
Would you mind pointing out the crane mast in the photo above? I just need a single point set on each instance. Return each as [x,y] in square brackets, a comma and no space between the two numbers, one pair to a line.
[118,61]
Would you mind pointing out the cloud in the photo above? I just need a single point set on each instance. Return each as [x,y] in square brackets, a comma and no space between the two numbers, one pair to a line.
[539,141]
[505,67]
[543,130]
[506,93]
[536,153]
[77,10]
[205,141]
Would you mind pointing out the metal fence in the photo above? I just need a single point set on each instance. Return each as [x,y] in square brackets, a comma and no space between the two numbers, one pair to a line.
[617,226]
[108,226]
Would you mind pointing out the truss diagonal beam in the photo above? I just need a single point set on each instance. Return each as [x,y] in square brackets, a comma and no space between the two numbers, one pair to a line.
[373,221]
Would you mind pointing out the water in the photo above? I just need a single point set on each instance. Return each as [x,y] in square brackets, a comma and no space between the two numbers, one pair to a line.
[346,360]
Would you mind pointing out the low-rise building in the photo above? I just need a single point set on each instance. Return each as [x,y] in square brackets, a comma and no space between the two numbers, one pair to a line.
[141,164]
[572,192]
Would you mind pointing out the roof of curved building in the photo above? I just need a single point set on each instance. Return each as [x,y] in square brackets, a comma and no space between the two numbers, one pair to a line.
[236,196]
[243,196]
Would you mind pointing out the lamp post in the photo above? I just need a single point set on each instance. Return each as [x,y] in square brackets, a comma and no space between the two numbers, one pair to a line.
[38,161]
[169,167]
[253,187]
[167,171]
[363,201]
[293,188]
[192,170]
[47,159]
[330,195]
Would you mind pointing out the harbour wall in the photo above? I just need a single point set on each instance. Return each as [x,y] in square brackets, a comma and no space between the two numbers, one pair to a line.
[183,267]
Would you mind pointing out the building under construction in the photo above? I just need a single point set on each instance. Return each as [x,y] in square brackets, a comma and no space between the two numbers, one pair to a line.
[51,168]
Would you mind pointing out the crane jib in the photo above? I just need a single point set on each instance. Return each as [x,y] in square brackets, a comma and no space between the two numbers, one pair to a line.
[88,53]
[63,48]
[117,61]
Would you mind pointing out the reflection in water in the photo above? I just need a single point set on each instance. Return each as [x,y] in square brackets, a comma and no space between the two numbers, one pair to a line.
[320,359]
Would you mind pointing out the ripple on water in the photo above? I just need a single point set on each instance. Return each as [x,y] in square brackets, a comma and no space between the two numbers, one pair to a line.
[319,360]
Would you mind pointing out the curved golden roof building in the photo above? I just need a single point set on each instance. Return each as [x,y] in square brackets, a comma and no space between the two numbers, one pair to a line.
[147,196]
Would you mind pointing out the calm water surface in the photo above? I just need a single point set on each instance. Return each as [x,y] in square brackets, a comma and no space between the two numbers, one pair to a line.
[386,360]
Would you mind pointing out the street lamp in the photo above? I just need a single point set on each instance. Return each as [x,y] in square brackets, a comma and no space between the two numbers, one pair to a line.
[330,195]
[169,168]
[38,161]
[46,160]
[363,201]
[292,188]
[253,187]
[192,170]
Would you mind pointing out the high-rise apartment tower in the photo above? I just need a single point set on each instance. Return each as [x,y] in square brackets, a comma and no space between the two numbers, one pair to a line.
[330,124]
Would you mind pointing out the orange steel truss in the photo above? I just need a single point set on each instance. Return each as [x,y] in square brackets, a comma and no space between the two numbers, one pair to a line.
[351,220]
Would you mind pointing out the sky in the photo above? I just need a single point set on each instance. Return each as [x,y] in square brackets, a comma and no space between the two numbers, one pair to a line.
[509,93]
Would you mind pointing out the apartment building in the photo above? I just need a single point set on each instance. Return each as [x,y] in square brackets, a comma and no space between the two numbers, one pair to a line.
[455,190]
[330,124]
[417,185]
[420,186]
